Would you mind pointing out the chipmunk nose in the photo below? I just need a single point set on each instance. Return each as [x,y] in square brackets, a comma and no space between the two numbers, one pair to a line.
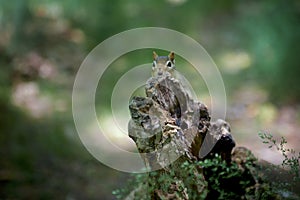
[160,73]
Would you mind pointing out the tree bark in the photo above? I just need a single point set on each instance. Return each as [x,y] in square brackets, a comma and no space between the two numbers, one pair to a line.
[169,129]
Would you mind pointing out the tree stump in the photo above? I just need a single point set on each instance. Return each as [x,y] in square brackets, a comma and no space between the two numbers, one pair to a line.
[169,129]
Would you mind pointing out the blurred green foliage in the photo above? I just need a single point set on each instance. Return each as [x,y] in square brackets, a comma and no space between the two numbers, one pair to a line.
[38,157]
[270,34]
[267,30]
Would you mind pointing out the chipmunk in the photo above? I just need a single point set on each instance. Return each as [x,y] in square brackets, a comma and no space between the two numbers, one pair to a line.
[163,70]
[163,64]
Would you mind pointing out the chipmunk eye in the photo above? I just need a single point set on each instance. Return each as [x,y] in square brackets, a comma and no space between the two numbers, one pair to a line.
[154,64]
[169,64]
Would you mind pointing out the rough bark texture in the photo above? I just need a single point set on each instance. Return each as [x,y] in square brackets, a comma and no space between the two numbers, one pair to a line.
[169,128]
[168,124]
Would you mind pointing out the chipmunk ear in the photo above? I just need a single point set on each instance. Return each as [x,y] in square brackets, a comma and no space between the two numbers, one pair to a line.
[154,55]
[171,56]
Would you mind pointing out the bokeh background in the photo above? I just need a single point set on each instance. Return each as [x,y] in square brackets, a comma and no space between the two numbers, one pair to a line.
[255,44]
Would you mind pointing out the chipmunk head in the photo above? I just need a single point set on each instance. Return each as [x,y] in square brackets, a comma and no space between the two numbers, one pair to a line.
[163,64]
